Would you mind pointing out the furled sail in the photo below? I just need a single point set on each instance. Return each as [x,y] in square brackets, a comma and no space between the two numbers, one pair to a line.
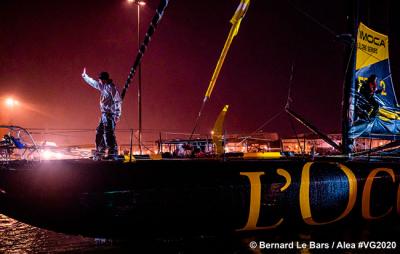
[374,111]
[218,131]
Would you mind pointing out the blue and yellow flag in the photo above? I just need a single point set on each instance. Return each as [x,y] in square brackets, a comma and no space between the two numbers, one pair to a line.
[374,111]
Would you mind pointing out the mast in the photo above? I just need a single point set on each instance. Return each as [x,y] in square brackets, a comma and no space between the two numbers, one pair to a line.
[235,21]
[347,105]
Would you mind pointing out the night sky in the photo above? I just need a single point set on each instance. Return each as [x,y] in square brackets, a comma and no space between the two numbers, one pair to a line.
[45,45]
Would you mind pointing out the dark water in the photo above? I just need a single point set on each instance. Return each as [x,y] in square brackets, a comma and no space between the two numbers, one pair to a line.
[17,237]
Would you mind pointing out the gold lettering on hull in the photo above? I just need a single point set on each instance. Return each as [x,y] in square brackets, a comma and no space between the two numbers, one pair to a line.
[255,199]
[366,196]
[305,205]
[287,176]
[304,195]
[398,200]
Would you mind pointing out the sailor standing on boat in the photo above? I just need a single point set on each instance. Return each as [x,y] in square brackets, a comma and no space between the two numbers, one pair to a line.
[110,106]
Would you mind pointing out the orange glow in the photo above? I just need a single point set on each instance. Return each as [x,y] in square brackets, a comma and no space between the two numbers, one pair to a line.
[142,3]
[47,155]
[54,155]
[10,102]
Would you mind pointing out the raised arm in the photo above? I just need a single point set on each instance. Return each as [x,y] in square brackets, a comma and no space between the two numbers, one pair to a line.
[90,81]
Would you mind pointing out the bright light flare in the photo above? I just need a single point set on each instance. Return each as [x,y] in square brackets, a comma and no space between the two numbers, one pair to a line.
[50,155]
[10,102]
[141,3]
[47,155]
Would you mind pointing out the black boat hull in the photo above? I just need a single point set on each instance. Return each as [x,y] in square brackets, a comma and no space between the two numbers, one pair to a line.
[111,199]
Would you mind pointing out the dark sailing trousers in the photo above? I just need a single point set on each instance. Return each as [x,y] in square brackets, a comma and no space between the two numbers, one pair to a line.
[374,105]
[105,137]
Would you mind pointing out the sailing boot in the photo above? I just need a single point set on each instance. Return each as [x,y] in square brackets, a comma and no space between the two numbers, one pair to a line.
[100,142]
[110,139]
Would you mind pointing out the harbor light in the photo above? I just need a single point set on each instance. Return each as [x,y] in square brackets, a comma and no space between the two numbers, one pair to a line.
[10,102]
[142,3]
[50,155]
[47,155]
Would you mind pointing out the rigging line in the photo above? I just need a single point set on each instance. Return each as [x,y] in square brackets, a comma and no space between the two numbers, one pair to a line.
[198,118]
[268,121]
[147,148]
[179,133]
[86,130]
[263,125]
[233,116]
[326,28]
[57,134]
[387,76]
[59,130]
[289,97]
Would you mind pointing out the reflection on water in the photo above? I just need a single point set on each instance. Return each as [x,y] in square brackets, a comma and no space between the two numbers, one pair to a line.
[17,237]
